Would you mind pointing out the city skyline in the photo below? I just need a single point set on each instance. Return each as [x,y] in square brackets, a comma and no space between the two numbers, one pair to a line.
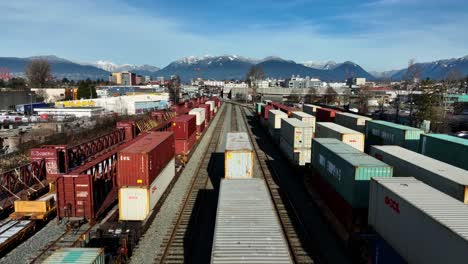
[378,35]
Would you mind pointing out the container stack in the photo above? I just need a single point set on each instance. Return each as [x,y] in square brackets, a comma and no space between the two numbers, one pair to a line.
[77,255]
[238,156]
[325,114]
[258,109]
[310,109]
[296,140]
[199,114]
[304,117]
[348,136]
[264,115]
[274,124]
[207,108]
[352,121]
[213,108]
[386,133]
[421,223]
[446,148]
[185,133]
[145,170]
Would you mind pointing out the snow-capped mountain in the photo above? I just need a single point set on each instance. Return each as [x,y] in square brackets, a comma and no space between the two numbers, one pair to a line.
[320,65]
[438,70]
[209,59]
[113,67]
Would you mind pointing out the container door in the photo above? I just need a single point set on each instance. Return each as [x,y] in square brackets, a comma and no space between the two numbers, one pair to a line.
[133,203]
[160,184]
[239,165]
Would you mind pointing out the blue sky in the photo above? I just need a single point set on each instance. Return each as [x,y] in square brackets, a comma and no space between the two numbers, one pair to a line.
[377,34]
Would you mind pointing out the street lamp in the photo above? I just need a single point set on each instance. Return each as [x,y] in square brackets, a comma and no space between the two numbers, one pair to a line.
[31,110]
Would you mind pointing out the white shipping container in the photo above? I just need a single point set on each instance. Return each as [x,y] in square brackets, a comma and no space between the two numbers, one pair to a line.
[297,133]
[199,113]
[348,136]
[238,156]
[136,203]
[211,104]
[274,118]
[424,225]
[299,156]
[310,109]
[304,117]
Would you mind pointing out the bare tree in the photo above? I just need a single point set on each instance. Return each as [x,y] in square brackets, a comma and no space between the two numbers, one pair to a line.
[412,80]
[254,75]
[39,72]
[330,95]
[174,89]
[363,98]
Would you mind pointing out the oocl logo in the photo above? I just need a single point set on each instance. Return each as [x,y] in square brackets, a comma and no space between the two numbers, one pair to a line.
[392,204]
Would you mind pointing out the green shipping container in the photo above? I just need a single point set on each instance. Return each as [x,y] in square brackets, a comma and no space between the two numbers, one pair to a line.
[77,255]
[446,148]
[259,108]
[386,133]
[347,170]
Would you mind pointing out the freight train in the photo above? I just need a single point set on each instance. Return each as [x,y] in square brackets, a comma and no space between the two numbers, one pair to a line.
[350,151]
[85,181]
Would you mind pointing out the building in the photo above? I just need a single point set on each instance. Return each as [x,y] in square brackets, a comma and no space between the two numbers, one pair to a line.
[297,82]
[214,83]
[58,113]
[124,78]
[360,81]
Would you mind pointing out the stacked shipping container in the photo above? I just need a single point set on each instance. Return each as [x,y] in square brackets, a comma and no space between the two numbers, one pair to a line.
[304,117]
[446,148]
[274,124]
[310,109]
[296,140]
[348,136]
[352,121]
[325,114]
[184,128]
[199,114]
[386,133]
[238,156]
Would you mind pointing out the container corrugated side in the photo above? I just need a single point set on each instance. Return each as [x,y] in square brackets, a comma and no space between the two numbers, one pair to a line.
[238,156]
[352,121]
[297,133]
[211,104]
[77,255]
[310,109]
[446,148]
[199,114]
[304,117]
[299,156]
[446,178]
[386,133]
[348,173]
[135,203]
[421,223]
[247,228]
[258,108]
[274,122]
[348,136]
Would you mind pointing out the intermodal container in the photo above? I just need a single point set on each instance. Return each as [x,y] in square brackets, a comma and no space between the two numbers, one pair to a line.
[41,205]
[136,202]
[267,102]
[212,105]
[442,176]
[310,109]
[258,108]
[140,163]
[77,255]
[325,115]
[348,136]
[421,223]
[199,114]
[184,146]
[274,122]
[76,196]
[298,156]
[446,148]
[297,133]
[352,121]
[265,111]
[247,228]
[238,156]
[348,173]
[382,253]
[380,132]
[184,126]
[207,112]
[304,117]
[129,127]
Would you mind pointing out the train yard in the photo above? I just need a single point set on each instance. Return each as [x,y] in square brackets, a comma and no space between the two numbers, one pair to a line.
[168,191]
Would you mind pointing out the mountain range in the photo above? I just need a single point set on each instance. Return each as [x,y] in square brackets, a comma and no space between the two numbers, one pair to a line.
[228,67]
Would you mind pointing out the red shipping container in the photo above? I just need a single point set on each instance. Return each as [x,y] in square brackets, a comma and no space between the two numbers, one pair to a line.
[183,146]
[184,126]
[325,115]
[55,161]
[200,128]
[207,112]
[130,129]
[141,162]
[265,110]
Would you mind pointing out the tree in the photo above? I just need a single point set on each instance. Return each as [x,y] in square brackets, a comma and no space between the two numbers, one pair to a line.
[174,89]
[2,83]
[330,95]
[39,72]
[363,98]
[16,83]
[86,90]
[413,73]
[310,96]
[254,75]
[65,80]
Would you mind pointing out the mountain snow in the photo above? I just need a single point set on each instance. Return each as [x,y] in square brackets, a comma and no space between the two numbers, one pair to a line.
[113,67]
[320,65]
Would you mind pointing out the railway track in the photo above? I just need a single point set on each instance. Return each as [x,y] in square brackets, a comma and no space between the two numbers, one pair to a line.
[234,123]
[298,240]
[72,237]
[174,248]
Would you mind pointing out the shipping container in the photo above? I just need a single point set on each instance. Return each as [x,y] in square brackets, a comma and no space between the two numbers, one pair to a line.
[258,108]
[298,156]
[348,173]
[238,156]
[77,256]
[352,121]
[265,111]
[199,114]
[247,228]
[297,133]
[212,106]
[200,128]
[207,113]
[382,253]
[346,135]
[380,132]
[267,102]
[274,122]
[184,126]
[129,127]
[304,117]
[325,115]
[421,223]
[446,148]
[137,202]
[140,163]
[184,146]
[446,178]
[35,209]
[310,109]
